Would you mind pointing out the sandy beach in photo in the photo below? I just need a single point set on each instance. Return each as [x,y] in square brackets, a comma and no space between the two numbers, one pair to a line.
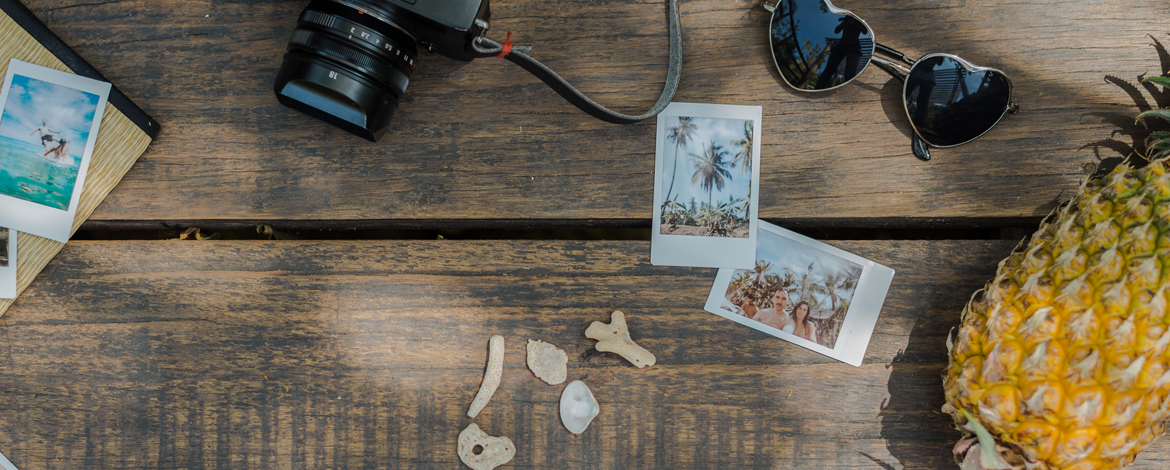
[739,231]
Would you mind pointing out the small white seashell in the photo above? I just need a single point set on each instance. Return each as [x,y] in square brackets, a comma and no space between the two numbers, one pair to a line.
[578,407]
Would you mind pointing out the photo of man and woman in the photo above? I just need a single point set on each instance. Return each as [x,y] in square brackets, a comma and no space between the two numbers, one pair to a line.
[43,131]
[3,247]
[795,289]
[7,263]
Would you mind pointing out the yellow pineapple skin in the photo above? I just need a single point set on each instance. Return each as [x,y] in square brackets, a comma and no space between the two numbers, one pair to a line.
[1063,356]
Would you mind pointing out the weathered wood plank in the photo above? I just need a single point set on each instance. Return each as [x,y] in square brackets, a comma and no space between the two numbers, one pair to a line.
[487,142]
[366,355]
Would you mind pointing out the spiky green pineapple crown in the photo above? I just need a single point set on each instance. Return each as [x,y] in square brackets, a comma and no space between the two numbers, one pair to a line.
[1158,143]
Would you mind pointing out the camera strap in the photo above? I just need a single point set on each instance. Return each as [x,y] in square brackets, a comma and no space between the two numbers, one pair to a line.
[516,54]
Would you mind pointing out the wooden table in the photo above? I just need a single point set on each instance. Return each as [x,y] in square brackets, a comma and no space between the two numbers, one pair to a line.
[366,353]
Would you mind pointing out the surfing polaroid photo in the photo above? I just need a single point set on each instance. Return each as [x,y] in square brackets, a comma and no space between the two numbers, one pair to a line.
[706,186]
[7,263]
[805,292]
[48,127]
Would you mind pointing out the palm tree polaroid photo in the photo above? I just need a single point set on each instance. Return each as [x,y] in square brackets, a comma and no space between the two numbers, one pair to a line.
[805,292]
[706,185]
[48,127]
[7,264]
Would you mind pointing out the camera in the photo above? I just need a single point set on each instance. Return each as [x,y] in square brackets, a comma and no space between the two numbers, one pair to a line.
[349,61]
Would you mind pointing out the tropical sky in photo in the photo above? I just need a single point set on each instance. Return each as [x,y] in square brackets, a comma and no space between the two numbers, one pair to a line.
[783,252]
[722,132]
[31,101]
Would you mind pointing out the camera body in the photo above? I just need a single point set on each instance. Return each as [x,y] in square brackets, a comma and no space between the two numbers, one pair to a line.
[446,26]
[349,62]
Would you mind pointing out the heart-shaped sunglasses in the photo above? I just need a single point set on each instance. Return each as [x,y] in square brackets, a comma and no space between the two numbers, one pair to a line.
[949,101]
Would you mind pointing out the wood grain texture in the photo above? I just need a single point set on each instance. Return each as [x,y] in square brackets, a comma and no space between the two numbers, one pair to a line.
[366,355]
[118,145]
[486,141]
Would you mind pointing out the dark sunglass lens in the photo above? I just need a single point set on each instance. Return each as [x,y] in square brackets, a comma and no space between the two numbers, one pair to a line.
[816,49]
[950,105]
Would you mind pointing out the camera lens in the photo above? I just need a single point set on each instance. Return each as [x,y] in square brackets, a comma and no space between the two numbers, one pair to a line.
[348,63]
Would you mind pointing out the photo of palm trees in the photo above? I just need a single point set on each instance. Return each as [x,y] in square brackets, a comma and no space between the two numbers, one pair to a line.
[813,288]
[706,177]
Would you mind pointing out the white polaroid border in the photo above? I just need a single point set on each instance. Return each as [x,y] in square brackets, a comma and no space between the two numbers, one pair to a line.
[705,251]
[30,217]
[8,273]
[860,319]
[5,464]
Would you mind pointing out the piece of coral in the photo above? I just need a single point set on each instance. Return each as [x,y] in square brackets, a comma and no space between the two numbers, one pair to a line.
[615,338]
[578,407]
[491,376]
[548,362]
[1061,360]
[493,451]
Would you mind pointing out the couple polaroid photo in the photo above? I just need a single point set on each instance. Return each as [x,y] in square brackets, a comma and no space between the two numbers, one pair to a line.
[48,127]
[805,292]
[5,464]
[706,186]
[7,263]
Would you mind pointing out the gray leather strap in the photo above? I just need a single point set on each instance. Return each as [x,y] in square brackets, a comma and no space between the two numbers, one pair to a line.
[487,48]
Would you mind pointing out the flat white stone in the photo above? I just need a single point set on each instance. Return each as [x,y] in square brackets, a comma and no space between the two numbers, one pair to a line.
[547,362]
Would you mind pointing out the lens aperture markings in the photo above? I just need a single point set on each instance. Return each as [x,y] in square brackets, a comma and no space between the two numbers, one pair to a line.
[355,31]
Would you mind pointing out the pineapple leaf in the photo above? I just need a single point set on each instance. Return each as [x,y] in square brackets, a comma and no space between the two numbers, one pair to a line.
[1158,144]
[1164,81]
[989,456]
[1158,113]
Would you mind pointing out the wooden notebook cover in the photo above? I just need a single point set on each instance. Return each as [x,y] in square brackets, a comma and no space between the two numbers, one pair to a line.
[124,134]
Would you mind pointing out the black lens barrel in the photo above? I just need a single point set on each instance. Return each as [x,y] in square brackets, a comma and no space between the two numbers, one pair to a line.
[347,67]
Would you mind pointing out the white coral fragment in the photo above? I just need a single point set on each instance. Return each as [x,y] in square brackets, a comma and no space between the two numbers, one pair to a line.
[548,362]
[491,377]
[615,338]
[578,407]
[493,451]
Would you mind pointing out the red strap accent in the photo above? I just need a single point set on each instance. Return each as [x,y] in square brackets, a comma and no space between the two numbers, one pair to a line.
[507,47]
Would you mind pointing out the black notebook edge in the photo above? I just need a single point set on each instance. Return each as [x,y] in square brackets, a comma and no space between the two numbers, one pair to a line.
[25,18]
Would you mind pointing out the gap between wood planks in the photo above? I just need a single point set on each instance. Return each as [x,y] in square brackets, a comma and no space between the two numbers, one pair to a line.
[528,230]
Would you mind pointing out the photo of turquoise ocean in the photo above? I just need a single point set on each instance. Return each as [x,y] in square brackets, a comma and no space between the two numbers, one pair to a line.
[43,131]
[27,175]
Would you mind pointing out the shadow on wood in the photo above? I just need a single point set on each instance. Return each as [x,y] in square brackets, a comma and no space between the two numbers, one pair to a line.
[1133,133]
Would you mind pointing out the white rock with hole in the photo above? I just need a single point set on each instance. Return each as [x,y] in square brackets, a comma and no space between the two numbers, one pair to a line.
[578,407]
[492,451]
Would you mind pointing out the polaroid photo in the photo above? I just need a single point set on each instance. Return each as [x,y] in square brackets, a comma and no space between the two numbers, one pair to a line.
[48,127]
[706,186]
[7,263]
[805,292]
[5,464]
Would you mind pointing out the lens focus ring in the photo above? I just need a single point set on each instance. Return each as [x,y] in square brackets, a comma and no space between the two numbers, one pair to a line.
[324,44]
[348,63]
[388,47]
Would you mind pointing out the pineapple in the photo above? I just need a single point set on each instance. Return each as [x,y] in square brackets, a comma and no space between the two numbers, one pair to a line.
[1062,361]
